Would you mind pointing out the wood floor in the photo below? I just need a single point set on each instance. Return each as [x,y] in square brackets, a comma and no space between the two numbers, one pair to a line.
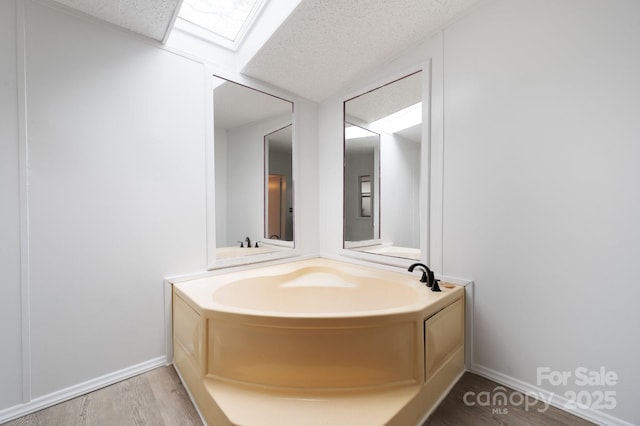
[458,410]
[157,398]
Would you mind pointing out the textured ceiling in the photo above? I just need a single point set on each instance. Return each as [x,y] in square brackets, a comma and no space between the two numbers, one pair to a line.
[320,48]
[325,44]
[151,18]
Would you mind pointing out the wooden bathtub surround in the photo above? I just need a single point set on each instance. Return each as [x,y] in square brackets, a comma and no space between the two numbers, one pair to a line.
[371,362]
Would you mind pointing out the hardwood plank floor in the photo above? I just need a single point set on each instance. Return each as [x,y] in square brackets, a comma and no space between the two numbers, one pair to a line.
[456,410]
[157,398]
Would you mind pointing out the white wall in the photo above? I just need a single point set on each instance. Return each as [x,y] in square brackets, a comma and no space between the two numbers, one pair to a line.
[541,199]
[10,312]
[330,174]
[307,185]
[220,158]
[400,186]
[245,179]
[116,195]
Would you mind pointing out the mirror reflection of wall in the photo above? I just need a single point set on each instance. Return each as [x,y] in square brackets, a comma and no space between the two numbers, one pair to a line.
[394,112]
[361,184]
[279,185]
[243,117]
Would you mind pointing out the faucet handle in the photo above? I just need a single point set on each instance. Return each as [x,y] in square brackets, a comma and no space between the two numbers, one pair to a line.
[241,244]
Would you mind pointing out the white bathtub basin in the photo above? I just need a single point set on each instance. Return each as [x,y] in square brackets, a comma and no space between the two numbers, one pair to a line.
[317,290]
[318,340]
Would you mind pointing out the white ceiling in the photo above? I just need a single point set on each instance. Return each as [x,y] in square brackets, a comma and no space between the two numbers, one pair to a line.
[326,44]
[320,48]
[151,18]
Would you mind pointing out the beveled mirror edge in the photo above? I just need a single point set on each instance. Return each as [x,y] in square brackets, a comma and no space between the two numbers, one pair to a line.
[288,250]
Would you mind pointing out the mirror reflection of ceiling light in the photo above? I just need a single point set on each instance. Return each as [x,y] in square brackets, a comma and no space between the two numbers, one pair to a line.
[403,119]
[355,132]
[392,123]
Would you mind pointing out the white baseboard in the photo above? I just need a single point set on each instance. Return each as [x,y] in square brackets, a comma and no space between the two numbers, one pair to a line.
[62,395]
[551,398]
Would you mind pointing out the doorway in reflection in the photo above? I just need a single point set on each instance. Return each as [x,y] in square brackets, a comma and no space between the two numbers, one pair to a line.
[279,185]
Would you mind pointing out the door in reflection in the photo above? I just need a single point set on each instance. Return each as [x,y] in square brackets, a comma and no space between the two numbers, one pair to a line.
[277,203]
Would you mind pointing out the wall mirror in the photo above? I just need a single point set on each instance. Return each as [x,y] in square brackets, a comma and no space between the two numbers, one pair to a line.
[253,144]
[278,149]
[382,150]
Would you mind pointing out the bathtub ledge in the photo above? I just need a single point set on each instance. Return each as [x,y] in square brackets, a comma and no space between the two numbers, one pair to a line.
[272,408]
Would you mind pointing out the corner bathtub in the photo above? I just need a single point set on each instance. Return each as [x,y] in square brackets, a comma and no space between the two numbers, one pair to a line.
[317,342]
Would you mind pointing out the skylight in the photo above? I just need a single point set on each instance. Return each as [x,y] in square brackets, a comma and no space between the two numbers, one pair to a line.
[355,132]
[228,19]
[392,123]
[403,119]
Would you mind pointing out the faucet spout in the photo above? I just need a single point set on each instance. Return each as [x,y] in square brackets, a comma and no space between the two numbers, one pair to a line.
[248,241]
[424,268]
[427,276]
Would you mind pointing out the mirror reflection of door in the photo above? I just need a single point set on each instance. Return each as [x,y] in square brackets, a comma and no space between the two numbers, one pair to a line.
[279,184]
[277,202]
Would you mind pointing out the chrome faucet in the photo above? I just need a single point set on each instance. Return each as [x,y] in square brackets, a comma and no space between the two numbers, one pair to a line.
[427,276]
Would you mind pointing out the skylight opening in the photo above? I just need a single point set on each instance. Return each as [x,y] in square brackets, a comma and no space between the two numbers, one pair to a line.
[355,132]
[392,123]
[228,19]
[403,119]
